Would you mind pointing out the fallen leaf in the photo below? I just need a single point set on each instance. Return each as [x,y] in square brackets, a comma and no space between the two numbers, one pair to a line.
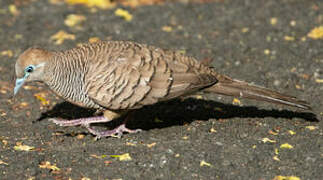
[311,127]
[212,130]
[103,4]
[316,33]
[276,158]
[8,53]
[319,80]
[286,178]
[122,157]
[289,38]
[85,178]
[267,51]
[130,144]
[286,146]
[203,163]
[276,151]
[236,101]
[272,132]
[151,145]
[265,140]
[94,40]
[291,132]
[2,162]
[47,165]
[41,98]
[123,13]
[13,10]
[61,36]
[167,28]
[273,21]
[73,20]
[177,155]
[20,147]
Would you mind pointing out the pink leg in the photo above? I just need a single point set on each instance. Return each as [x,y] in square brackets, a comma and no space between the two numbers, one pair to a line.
[117,132]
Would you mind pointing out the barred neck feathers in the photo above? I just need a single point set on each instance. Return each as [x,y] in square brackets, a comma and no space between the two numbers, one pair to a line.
[66,74]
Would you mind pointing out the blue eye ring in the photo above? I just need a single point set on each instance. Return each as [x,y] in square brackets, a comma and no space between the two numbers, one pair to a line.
[29,69]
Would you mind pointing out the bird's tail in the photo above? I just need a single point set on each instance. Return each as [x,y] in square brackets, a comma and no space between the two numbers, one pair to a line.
[231,87]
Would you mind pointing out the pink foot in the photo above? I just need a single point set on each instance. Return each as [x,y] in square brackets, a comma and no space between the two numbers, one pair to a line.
[81,121]
[116,132]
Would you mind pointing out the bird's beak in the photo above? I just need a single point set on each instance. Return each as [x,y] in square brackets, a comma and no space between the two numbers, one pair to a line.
[19,83]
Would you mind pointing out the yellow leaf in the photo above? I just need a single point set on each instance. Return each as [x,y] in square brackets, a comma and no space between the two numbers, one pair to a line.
[123,13]
[203,163]
[8,53]
[276,158]
[319,80]
[286,178]
[311,127]
[151,145]
[177,155]
[289,38]
[199,97]
[20,147]
[122,157]
[273,21]
[291,132]
[130,144]
[167,28]
[41,98]
[276,151]
[13,10]
[85,178]
[47,165]
[60,37]
[94,40]
[267,51]
[267,140]
[286,146]
[236,101]
[316,33]
[103,4]
[212,130]
[73,20]
[2,162]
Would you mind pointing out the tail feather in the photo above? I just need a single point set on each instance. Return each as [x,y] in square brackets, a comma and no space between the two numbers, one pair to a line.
[230,87]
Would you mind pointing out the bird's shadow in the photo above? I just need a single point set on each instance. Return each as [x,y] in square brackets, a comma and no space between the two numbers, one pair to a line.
[179,112]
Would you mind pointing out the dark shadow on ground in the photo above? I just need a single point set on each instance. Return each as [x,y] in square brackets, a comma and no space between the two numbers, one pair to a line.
[178,112]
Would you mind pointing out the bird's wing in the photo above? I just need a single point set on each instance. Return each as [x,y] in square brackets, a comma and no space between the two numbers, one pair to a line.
[141,75]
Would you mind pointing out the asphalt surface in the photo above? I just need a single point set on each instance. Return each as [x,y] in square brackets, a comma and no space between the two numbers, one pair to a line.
[203,136]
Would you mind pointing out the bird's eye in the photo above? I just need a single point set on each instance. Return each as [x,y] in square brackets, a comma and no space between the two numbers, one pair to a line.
[29,69]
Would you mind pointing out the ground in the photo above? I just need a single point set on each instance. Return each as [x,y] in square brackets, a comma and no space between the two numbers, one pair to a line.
[272,43]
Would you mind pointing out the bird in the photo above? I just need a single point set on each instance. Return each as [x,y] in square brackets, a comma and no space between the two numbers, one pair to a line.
[118,77]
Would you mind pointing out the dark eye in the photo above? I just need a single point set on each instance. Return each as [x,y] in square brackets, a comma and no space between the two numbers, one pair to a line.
[29,69]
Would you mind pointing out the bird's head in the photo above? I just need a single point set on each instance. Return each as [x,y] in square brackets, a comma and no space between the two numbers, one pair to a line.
[30,66]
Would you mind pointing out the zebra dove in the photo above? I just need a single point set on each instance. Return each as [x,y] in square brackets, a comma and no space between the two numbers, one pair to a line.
[117,77]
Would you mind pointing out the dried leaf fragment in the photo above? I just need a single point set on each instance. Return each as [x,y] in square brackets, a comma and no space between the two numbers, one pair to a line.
[316,33]
[94,40]
[61,36]
[236,101]
[276,158]
[286,146]
[13,10]
[151,145]
[103,4]
[41,98]
[291,132]
[311,127]
[289,38]
[122,157]
[2,162]
[20,147]
[73,20]
[8,53]
[167,28]
[265,140]
[286,178]
[204,163]
[319,80]
[123,13]
[47,165]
